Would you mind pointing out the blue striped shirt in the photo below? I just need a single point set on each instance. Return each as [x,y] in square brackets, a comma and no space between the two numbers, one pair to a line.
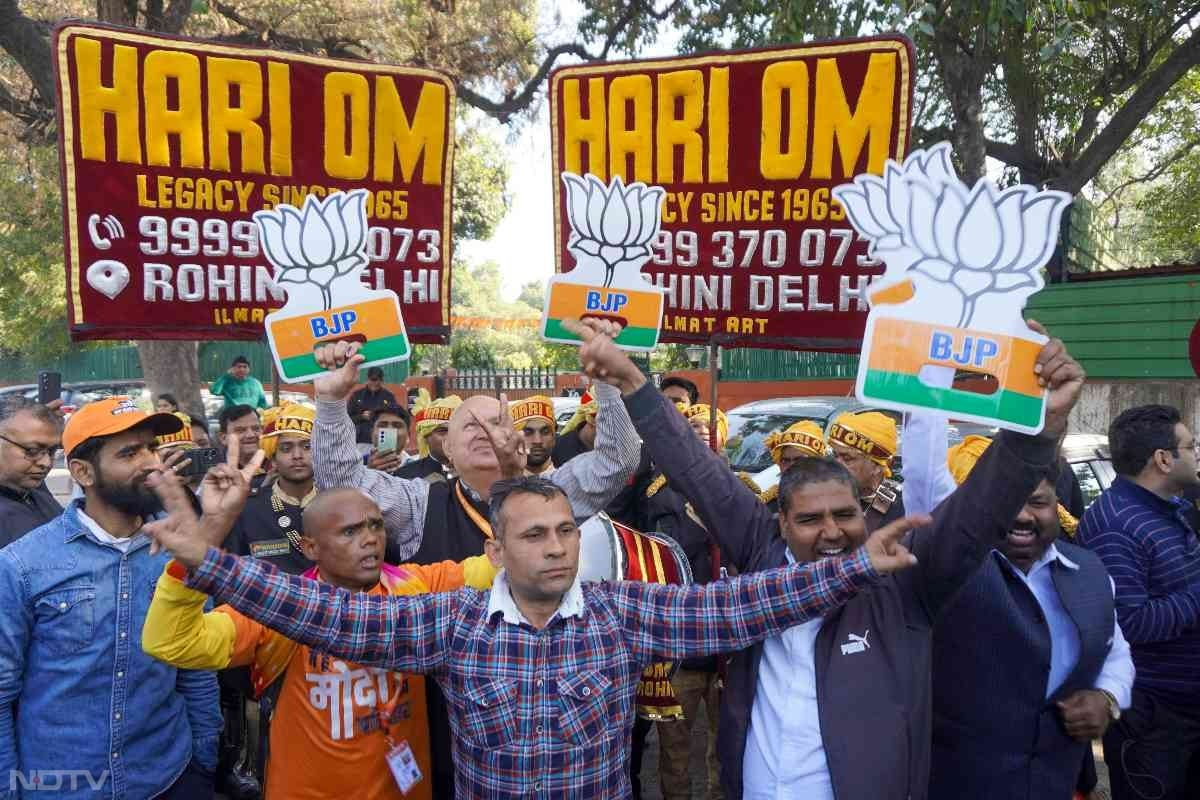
[1153,556]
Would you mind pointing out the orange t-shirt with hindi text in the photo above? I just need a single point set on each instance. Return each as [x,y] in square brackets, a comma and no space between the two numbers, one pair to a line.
[327,739]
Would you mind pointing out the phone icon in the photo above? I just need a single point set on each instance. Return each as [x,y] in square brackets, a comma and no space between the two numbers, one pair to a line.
[112,226]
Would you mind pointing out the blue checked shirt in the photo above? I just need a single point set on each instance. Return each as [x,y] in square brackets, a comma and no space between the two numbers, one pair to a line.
[536,713]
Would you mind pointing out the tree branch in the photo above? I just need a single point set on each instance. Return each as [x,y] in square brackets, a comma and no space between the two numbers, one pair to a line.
[1019,157]
[22,39]
[262,33]
[514,102]
[519,100]
[1153,174]
[36,116]
[1075,175]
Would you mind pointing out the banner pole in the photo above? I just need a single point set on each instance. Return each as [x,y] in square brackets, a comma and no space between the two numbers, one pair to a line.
[714,375]
[274,383]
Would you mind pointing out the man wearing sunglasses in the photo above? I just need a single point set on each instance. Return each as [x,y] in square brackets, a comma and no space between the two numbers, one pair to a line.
[30,438]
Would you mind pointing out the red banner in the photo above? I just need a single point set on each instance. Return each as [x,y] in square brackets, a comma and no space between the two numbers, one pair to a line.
[169,146]
[753,249]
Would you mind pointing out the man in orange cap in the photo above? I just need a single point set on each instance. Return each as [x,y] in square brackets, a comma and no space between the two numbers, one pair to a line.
[534,418]
[865,443]
[75,687]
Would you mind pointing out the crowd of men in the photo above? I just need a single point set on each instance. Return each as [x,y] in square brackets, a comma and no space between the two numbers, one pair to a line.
[414,625]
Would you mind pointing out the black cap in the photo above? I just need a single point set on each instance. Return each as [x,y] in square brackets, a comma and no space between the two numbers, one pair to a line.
[241,360]
[375,373]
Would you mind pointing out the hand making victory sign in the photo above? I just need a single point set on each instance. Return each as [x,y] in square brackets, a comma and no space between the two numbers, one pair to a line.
[509,444]
[222,499]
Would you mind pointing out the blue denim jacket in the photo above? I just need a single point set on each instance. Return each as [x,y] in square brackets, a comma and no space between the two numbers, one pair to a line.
[89,701]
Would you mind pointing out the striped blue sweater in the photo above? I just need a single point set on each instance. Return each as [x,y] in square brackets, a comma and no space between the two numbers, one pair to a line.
[1153,557]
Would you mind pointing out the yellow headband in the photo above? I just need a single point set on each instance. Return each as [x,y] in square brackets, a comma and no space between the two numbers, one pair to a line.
[291,418]
[536,407]
[429,416]
[704,411]
[806,434]
[871,433]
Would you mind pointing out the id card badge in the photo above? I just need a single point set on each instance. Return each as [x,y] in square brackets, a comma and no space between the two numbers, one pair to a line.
[403,765]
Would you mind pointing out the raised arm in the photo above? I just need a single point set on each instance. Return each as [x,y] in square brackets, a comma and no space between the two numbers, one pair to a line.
[337,462]
[972,520]
[593,479]
[741,524]
[927,478]
[406,633]
[178,632]
[687,621]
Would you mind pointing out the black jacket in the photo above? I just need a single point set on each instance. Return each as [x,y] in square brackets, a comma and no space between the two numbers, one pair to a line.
[21,512]
[874,705]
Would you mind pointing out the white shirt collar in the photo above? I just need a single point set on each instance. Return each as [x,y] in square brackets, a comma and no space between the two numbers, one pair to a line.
[1052,554]
[103,536]
[500,600]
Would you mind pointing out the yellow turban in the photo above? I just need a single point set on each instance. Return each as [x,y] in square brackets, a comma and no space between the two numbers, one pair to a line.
[806,434]
[293,418]
[871,433]
[704,411]
[181,437]
[962,457]
[588,407]
[429,415]
[537,407]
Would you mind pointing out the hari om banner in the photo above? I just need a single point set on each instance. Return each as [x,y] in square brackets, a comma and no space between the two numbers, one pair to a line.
[170,146]
[753,248]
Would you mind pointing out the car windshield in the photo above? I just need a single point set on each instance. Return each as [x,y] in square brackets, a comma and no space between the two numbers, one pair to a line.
[746,446]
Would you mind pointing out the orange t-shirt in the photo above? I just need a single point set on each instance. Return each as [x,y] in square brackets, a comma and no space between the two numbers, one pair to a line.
[325,737]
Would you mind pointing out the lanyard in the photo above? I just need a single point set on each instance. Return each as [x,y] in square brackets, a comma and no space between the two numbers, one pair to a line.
[475,516]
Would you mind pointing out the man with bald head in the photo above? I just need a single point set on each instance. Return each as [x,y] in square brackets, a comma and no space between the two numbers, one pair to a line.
[328,723]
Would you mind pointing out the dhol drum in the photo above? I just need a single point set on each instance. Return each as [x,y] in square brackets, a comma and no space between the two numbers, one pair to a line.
[610,551]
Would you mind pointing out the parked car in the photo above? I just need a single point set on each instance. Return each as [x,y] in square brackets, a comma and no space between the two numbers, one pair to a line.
[1088,455]
[752,423]
[564,409]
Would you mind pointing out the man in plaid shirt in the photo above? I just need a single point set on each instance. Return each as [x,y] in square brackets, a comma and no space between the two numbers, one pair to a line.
[541,671]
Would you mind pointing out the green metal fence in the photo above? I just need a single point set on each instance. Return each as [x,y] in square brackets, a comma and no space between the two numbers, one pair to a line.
[120,362]
[747,364]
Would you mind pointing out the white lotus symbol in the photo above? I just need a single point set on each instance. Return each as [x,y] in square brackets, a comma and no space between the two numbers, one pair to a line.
[961,244]
[319,244]
[613,223]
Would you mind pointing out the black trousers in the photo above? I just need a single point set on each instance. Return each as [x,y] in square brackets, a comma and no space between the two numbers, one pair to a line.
[641,729]
[1153,751]
[194,784]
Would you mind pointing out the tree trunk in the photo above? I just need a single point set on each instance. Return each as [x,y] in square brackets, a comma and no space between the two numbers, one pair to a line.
[962,78]
[172,367]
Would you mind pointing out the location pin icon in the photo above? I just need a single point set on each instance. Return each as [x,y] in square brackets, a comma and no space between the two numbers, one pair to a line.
[108,277]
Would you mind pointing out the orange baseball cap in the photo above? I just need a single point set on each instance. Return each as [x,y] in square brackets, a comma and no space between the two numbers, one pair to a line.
[113,415]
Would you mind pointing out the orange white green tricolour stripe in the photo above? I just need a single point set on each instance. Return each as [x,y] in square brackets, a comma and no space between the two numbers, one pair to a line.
[890,373]
[639,311]
[377,323]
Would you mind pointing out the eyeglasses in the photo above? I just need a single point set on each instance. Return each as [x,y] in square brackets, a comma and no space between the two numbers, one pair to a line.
[34,453]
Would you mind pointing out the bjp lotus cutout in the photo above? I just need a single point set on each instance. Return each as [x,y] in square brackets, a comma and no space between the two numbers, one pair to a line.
[320,253]
[961,262]
[611,229]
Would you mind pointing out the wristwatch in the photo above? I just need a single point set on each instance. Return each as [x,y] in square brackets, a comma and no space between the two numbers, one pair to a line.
[1114,709]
